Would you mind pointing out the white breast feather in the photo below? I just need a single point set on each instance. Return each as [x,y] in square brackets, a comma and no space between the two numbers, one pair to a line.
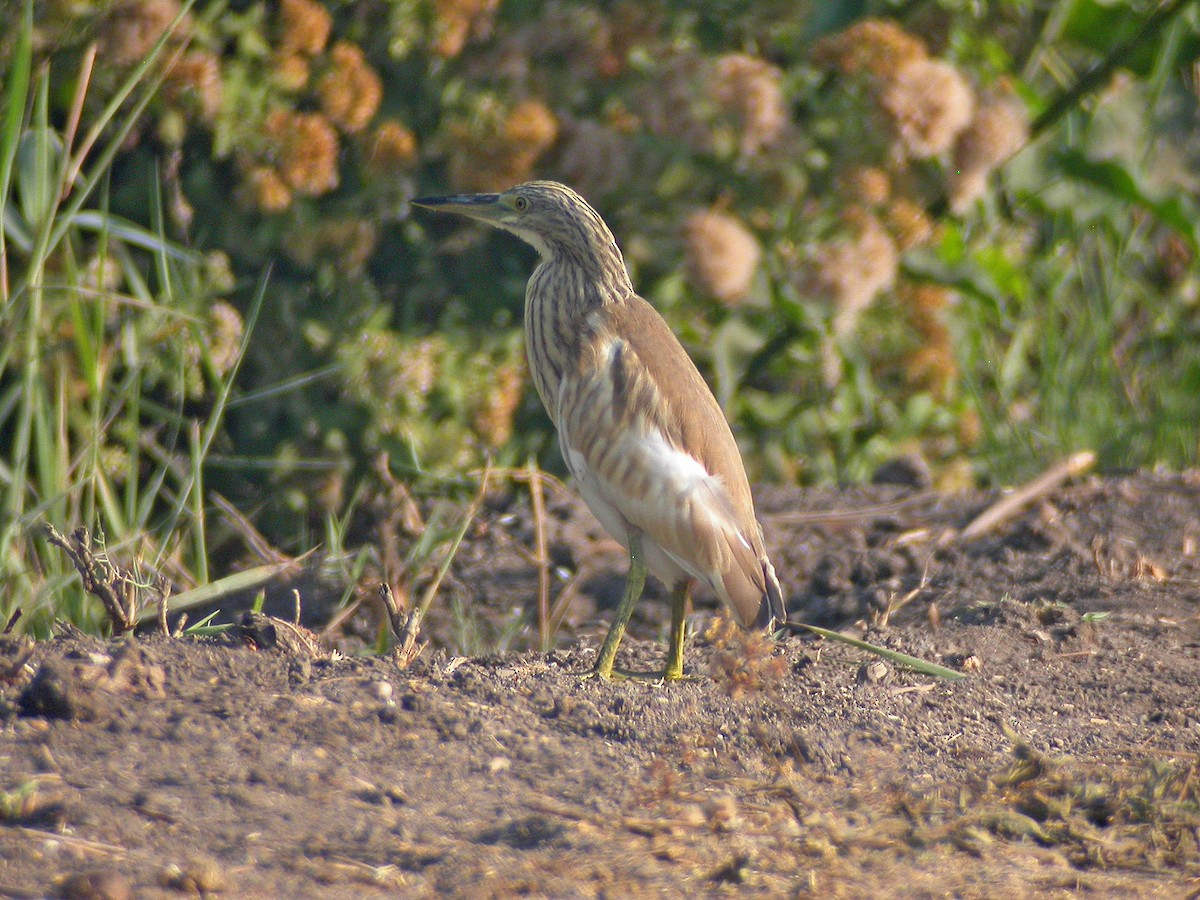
[676,478]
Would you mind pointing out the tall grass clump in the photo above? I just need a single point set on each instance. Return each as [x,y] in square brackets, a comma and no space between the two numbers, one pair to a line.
[116,352]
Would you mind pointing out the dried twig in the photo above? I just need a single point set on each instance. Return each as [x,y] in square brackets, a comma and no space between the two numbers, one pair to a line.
[114,586]
[839,516]
[1010,505]
[162,615]
[245,528]
[405,627]
[537,500]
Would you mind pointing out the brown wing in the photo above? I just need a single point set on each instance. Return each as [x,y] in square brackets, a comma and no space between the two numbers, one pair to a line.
[689,417]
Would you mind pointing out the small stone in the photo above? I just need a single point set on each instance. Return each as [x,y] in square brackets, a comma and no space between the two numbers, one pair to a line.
[200,875]
[383,690]
[99,884]
[874,672]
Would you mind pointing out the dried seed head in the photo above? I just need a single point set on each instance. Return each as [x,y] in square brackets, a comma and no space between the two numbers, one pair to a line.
[265,190]
[999,129]
[908,223]
[722,255]
[531,125]
[304,27]
[497,151]
[305,148]
[457,21]
[350,90]
[493,419]
[929,103]
[290,71]
[867,184]
[391,146]
[852,271]
[877,46]
[195,81]
[933,365]
[744,662]
[225,329]
[750,90]
[132,29]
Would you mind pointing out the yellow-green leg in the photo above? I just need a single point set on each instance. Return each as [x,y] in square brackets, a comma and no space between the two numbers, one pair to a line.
[679,599]
[633,591]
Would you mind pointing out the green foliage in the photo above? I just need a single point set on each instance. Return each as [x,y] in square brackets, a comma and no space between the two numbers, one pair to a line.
[963,230]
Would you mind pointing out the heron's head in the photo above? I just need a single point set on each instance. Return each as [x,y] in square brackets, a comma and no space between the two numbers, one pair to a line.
[549,216]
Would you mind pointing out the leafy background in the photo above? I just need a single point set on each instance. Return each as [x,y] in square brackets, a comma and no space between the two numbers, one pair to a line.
[964,232]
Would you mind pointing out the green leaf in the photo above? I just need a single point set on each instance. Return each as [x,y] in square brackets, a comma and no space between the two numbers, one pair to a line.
[1118,181]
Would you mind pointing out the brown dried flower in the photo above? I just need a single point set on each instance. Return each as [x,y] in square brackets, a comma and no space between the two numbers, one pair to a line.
[852,271]
[929,103]
[877,46]
[348,243]
[751,90]
[133,27]
[933,365]
[595,158]
[744,662]
[225,329]
[501,151]
[305,148]
[304,27]
[351,90]
[391,146]
[456,21]
[195,81]
[290,70]
[531,125]
[266,190]
[722,255]
[908,222]
[999,129]
[868,185]
[493,419]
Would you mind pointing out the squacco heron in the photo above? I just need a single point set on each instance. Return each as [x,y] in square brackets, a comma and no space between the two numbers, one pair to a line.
[646,441]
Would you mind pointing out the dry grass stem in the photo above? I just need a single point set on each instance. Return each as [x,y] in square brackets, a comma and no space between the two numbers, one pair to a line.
[405,627]
[538,502]
[1011,505]
[254,539]
[81,88]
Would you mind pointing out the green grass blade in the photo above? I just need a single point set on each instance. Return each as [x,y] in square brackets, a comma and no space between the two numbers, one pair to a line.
[901,659]
[15,97]
[219,589]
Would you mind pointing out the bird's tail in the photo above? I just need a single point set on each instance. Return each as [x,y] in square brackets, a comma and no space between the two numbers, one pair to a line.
[771,613]
[751,588]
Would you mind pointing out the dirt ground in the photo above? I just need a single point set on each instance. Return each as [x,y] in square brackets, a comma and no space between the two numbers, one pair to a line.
[1064,764]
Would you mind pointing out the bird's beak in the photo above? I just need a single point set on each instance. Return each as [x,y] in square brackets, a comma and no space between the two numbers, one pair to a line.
[485,207]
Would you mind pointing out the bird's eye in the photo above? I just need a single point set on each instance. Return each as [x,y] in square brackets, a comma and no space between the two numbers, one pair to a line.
[521,204]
